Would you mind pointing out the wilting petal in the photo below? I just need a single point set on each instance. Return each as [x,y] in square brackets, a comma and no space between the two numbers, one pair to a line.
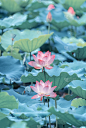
[35,58]
[53,95]
[51,59]
[48,67]
[52,89]
[34,89]
[41,62]
[35,96]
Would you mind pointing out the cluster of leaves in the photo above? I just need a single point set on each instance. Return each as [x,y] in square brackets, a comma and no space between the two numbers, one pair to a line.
[18,43]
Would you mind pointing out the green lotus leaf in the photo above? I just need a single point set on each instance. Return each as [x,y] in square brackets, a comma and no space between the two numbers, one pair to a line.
[72,3]
[32,124]
[7,101]
[75,22]
[27,45]
[59,22]
[78,42]
[78,102]
[23,3]
[14,7]
[19,125]
[70,97]
[60,81]
[14,54]
[27,40]
[78,87]
[15,20]
[27,24]
[5,122]
[67,117]
[2,115]
[79,53]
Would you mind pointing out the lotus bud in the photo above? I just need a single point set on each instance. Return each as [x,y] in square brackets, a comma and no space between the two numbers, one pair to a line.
[71,10]
[50,7]
[49,17]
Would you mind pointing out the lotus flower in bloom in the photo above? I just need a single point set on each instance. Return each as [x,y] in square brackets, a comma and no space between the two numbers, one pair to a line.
[49,17]
[50,7]
[43,89]
[71,10]
[42,60]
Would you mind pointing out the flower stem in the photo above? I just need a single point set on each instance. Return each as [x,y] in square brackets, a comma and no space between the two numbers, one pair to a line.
[30,56]
[49,116]
[11,47]
[49,122]
[44,74]
[56,117]
[49,28]
[68,91]
[43,100]
[0,52]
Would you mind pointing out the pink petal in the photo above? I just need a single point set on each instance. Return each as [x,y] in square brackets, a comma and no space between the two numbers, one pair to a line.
[45,58]
[53,95]
[42,83]
[40,55]
[52,89]
[48,67]
[41,62]
[35,96]
[51,59]
[34,64]
[48,83]
[34,89]
[45,89]
[71,10]
[51,6]
[35,58]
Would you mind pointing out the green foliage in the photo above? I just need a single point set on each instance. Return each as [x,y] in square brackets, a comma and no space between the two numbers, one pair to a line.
[78,102]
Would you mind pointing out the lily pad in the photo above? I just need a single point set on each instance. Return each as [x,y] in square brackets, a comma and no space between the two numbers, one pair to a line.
[15,20]
[7,102]
[78,42]
[27,40]
[69,117]
[72,3]
[78,102]
[74,21]
[78,87]
[14,7]
[79,53]
[11,68]
[59,81]
[19,124]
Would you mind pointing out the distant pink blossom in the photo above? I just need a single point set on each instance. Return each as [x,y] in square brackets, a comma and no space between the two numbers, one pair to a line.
[50,7]
[42,60]
[71,10]
[43,89]
[49,17]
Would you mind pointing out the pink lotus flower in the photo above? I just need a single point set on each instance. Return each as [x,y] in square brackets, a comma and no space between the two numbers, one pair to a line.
[49,17]
[50,7]
[42,60]
[71,10]
[43,89]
